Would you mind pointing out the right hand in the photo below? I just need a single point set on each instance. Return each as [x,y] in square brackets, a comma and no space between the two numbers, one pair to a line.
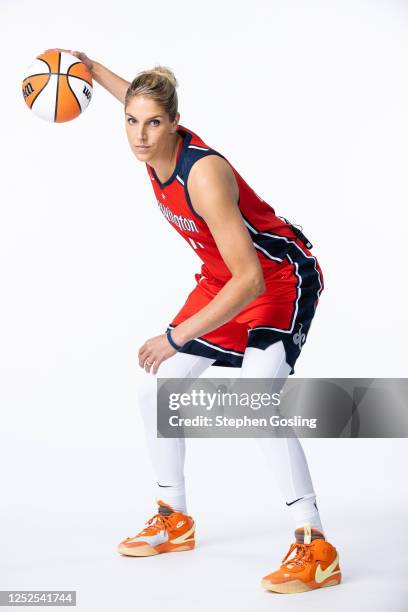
[81,56]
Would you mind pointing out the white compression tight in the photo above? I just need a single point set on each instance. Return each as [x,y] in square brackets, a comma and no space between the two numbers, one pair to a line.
[285,456]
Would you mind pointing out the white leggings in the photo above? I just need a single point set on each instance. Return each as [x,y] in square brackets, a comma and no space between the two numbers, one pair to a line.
[285,456]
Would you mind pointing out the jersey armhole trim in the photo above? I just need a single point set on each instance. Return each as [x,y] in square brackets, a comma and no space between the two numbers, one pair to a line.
[190,205]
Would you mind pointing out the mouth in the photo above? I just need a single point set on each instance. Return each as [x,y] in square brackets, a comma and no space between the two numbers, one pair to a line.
[142,147]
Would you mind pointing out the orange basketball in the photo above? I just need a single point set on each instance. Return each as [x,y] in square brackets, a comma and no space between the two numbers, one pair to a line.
[57,86]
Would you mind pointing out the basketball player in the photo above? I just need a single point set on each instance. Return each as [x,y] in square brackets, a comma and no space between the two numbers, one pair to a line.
[251,308]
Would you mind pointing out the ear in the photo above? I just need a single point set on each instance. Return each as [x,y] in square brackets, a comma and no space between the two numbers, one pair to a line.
[175,122]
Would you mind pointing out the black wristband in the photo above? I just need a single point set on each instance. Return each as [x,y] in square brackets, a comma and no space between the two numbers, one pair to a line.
[170,339]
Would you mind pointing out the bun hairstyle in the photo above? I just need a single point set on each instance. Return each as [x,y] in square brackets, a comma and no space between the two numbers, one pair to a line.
[160,84]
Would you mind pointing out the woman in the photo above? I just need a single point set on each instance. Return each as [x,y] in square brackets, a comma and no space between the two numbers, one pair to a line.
[252,308]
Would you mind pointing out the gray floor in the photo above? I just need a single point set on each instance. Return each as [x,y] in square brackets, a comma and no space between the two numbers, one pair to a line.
[65,509]
[223,572]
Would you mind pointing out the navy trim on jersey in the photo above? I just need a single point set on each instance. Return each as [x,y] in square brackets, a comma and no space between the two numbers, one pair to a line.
[272,246]
[186,139]
[224,357]
[192,154]
[188,200]
[304,265]
[308,291]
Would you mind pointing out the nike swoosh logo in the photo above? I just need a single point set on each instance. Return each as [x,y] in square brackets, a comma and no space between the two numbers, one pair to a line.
[322,575]
[290,503]
[183,537]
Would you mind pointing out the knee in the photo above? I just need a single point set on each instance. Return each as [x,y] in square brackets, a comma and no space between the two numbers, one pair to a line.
[146,388]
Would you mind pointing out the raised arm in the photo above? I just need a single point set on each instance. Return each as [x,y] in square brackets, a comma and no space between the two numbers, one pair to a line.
[110,81]
[102,75]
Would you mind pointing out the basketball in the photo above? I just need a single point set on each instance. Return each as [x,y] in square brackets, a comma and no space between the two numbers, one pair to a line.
[57,86]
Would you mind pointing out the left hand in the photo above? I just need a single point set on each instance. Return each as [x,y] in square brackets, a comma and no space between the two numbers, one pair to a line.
[153,352]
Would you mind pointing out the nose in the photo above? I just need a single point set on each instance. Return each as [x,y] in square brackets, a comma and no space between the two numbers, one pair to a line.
[141,135]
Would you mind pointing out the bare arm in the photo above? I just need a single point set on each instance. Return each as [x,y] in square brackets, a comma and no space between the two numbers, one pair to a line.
[110,81]
[102,75]
[214,194]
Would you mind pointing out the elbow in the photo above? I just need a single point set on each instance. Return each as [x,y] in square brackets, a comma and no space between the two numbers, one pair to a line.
[261,284]
[256,284]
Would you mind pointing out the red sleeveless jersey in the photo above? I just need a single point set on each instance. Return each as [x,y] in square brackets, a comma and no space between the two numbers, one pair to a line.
[271,236]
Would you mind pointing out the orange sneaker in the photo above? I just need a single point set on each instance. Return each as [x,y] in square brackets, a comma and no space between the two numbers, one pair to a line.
[315,565]
[166,531]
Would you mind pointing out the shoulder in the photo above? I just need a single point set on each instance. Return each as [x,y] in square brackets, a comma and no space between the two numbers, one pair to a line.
[200,160]
[205,171]
[212,188]
[211,170]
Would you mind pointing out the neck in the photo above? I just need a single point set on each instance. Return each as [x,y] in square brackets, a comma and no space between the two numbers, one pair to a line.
[165,166]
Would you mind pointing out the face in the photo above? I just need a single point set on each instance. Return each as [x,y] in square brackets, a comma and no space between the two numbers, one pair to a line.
[148,128]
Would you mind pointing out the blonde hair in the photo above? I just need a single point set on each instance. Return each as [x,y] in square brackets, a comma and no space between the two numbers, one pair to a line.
[160,84]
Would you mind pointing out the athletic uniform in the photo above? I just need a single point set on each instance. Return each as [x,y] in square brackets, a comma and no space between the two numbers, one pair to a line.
[293,278]
[276,322]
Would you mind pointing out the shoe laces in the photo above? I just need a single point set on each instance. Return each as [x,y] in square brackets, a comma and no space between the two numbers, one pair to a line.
[303,554]
[157,523]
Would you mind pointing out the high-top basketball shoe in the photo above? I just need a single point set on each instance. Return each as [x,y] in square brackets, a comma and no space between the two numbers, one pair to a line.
[166,531]
[315,564]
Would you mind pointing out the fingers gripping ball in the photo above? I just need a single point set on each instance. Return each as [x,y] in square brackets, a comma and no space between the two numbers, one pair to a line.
[57,86]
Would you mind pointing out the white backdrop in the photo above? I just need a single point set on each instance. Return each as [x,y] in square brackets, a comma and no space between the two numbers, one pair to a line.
[309,102]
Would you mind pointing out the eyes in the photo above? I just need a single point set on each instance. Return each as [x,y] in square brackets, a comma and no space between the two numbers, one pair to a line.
[132,121]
